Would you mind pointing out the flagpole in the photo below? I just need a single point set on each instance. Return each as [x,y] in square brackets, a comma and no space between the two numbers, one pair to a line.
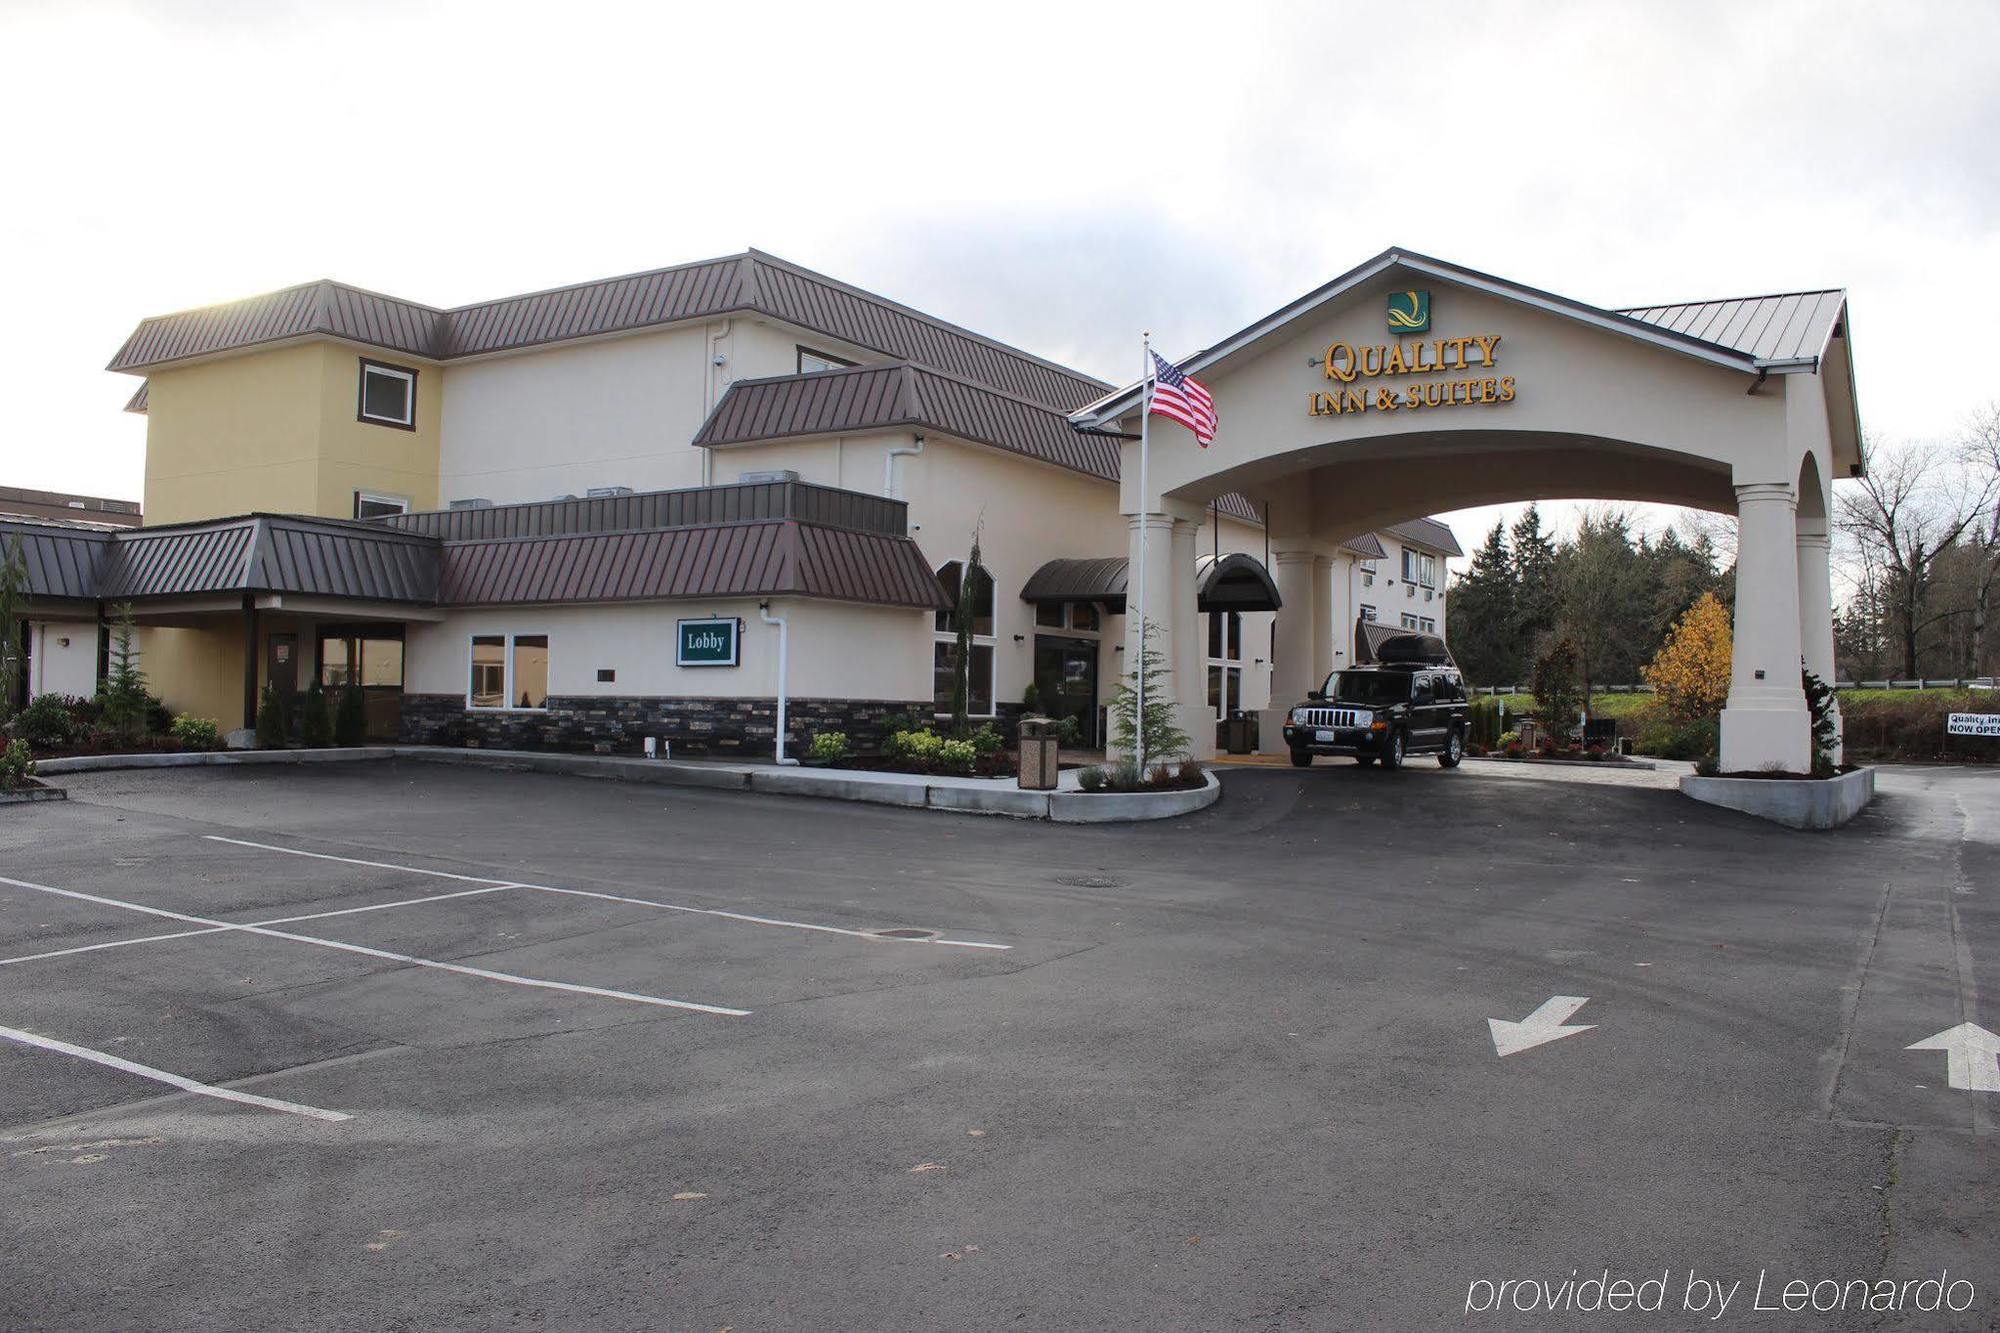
[1145,415]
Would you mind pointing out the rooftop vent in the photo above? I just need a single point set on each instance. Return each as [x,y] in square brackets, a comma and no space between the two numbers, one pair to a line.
[781,474]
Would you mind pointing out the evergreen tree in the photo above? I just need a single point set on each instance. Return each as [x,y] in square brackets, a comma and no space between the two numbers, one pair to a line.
[13,593]
[124,711]
[1152,732]
[1535,600]
[972,590]
[1480,619]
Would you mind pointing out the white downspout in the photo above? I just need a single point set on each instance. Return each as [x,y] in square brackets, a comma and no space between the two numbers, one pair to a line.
[784,635]
[889,464]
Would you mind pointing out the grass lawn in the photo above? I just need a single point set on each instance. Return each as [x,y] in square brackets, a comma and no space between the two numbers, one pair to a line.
[1601,705]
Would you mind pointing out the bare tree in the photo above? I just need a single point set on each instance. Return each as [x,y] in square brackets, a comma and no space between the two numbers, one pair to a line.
[1910,508]
[1981,449]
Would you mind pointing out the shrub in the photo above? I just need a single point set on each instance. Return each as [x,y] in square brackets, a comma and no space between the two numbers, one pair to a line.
[48,721]
[1069,731]
[957,756]
[827,747]
[1191,773]
[196,733]
[315,720]
[274,726]
[1690,673]
[1512,749]
[1482,722]
[350,716]
[1031,698]
[918,746]
[988,740]
[1093,778]
[1509,739]
[1665,738]
[16,766]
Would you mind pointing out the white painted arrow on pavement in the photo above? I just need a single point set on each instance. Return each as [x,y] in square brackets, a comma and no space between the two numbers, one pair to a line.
[1548,1023]
[1971,1056]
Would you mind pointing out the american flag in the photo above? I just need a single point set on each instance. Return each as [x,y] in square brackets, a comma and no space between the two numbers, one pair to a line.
[1180,398]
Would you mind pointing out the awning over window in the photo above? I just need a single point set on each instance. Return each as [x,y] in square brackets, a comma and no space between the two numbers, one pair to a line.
[1233,583]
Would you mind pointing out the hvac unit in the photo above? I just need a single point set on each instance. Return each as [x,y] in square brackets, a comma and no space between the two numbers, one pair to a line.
[607,492]
[472,504]
[781,474]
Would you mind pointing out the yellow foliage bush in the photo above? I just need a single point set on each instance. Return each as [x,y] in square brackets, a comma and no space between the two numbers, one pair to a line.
[1690,674]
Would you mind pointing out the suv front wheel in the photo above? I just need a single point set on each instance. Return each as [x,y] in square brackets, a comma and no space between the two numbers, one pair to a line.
[1392,754]
[1454,750]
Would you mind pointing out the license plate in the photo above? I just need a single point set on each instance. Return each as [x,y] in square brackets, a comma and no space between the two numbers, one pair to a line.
[1323,736]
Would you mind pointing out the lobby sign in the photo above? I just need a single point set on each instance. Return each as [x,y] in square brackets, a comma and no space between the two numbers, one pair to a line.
[1355,371]
[1972,724]
[708,643]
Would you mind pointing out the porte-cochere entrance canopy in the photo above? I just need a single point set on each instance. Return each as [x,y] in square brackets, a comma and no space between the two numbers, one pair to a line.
[1412,386]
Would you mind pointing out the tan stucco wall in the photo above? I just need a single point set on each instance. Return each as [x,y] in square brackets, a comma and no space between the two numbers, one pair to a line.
[837,650]
[196,670]
[277,431]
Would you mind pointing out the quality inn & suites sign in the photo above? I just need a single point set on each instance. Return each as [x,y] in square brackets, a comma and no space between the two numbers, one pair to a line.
[1460,365]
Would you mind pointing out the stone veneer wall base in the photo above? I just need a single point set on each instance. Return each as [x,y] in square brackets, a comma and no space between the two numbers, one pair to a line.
[719,728]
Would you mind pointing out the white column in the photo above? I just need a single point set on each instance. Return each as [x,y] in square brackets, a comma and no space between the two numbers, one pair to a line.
[1765,724]
[1298,629]
[1190,678]
[1816,602]
[1160,608]
[1322,658]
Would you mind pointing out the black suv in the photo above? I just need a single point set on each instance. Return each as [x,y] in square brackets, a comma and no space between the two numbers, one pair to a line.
[1387,713]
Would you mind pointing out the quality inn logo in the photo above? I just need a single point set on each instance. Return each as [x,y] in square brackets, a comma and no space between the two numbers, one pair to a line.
[1409,312]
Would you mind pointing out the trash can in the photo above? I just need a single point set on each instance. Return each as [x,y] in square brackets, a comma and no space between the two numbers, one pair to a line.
[1041,750]
[1236,737]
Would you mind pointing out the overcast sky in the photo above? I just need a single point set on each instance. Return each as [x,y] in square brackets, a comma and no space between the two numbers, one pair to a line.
[1056,176]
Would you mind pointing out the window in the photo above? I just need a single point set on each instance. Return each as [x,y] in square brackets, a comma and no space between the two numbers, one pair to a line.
[370,662]
[367,505]
[1225,662]
[509,671]
[388,395]
[1427,625]
[1368,613]
[811,362]
[1420,568]
[944,646]
[1409,621]
[1077,616]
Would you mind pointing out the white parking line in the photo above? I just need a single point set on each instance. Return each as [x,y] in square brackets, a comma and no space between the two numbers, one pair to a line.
[480,972]
[870,936]
[274,921]
[171,1080]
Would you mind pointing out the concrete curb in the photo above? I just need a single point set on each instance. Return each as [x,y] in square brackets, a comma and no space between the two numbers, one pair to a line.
[33,795]
[1625,764]
[1066,807]
[93,763]
[910,791]
[1804,803]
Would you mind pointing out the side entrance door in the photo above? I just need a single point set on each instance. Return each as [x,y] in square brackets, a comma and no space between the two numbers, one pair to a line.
[1066,681]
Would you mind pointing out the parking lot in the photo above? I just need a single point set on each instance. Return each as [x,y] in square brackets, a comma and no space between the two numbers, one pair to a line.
[407,1045]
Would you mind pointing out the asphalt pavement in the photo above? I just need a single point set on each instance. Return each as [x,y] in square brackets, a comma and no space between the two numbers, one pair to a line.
[554,1051]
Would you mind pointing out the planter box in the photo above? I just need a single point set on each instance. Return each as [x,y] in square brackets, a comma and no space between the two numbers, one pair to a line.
[36,791]
[1105,807]
[1802,803]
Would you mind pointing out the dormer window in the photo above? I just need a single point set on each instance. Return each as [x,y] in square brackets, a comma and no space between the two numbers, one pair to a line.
[811,362]
[388,395]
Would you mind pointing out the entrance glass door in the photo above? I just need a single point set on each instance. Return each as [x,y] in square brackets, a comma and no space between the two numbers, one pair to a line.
[1066,681]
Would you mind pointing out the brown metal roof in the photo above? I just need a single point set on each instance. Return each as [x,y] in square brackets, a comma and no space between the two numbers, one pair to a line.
[905,396]
[61,506]
[63,562]
[137,402]
[802,500]
[751,281]
[1368,546]
[1788,326]
[759,558]
[269,553]
[1427,532]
